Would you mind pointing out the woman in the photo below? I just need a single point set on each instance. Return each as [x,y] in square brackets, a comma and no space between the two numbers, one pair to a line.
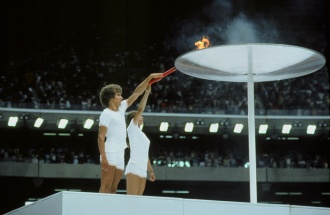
[139,162]
[112,132]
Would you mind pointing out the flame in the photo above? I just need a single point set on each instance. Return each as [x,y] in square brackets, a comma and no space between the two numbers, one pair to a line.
[203,43]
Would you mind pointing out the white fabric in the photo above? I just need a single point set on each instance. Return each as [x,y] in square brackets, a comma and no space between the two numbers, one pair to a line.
[116,128]
[115,159]
[139,146]
[131,168]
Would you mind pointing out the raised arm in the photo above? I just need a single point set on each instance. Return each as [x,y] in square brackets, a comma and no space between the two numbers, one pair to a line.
[142,104]
[141,88]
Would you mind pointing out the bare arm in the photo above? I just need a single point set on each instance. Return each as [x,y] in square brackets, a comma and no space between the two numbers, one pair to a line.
[152,176]
[101,143]
[141,88]
[142,104]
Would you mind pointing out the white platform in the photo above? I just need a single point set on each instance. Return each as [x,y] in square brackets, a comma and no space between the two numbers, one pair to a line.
[71,203]
[267,61]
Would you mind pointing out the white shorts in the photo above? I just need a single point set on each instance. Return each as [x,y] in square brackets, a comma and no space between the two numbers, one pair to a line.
[115,159]
[132,168]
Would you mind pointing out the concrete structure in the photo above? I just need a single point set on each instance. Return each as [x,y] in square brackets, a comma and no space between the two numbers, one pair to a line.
[71,203]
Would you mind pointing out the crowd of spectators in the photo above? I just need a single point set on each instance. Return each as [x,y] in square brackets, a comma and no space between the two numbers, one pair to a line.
[216,158]
[42,155]
[173,158]
[63,78]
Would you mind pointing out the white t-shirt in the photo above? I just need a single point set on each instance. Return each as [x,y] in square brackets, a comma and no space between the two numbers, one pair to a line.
[116,128]
[139,146]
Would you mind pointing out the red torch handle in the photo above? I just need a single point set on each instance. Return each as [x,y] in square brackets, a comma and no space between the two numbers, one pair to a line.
[164,74]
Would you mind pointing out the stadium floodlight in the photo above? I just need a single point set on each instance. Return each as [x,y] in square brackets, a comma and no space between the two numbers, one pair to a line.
[163,126]
[189,127]
[38,122]
[88,123]
[263,129]
[311,129]
[286,128]
[214,127]
[62,123]
[12,121]
[238,128]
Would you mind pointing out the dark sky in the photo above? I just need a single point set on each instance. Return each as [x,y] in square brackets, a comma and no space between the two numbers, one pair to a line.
[32,26]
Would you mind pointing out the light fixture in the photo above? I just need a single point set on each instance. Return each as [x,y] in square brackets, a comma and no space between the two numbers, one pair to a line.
[226,122]
[322,124]
[238,128]
[38,122]
[62,123]
[199,122]
[49,134]
[311,129]
[163,126]
[286,128]
[24,117]
[189,127]
[214,127]
[88,123]
[12,121]
[263,128]
[64,134]
[297,124]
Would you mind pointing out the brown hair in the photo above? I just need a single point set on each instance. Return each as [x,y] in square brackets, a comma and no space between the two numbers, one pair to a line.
[109,92]
[130,116]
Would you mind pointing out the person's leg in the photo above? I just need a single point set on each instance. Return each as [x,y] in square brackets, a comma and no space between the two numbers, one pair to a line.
[117,177]
[142,186]
[132,184]
[107,178]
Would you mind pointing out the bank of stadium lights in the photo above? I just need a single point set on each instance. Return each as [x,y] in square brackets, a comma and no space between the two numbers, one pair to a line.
[88,123]
[286,129]
[238,128]
[38,122]
[12,121]
[62,123]
[189,127]
[163,126]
